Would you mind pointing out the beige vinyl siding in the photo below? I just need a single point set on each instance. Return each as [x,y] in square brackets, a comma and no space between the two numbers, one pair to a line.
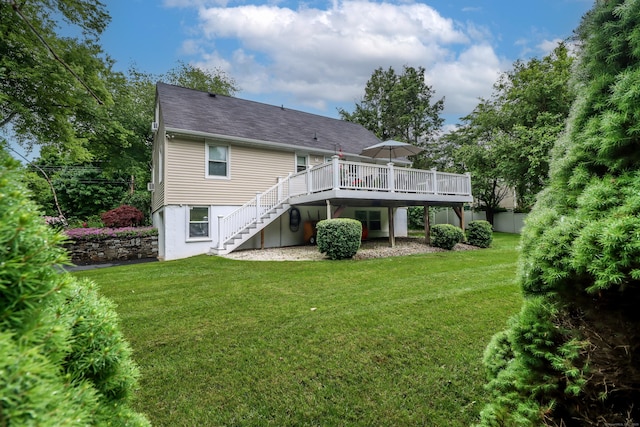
[251,170]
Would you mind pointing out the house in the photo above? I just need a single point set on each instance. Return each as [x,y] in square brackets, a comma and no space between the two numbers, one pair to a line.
[235,174]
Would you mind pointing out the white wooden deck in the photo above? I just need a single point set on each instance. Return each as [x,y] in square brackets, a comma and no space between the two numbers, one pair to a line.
[360,181]
[342,182]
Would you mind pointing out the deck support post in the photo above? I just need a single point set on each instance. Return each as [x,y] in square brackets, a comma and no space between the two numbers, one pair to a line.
[435,180]
[328,209]
[427,225]
[392,231]
[309,180]
[391,177]
[335,161]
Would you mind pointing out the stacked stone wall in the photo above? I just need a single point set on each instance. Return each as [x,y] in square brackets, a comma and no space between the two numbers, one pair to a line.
[112,249]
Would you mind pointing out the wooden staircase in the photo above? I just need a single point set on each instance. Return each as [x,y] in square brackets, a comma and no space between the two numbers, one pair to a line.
[250,230]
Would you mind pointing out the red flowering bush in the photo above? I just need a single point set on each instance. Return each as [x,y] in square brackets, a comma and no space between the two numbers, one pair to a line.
[123,216]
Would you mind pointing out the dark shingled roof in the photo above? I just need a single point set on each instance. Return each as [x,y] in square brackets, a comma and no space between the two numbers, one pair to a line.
[193,110]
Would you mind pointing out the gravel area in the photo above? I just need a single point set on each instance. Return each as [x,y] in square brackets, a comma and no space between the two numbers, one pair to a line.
[375,248]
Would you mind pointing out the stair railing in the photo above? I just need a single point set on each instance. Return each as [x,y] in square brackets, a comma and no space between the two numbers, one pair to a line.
[256,208]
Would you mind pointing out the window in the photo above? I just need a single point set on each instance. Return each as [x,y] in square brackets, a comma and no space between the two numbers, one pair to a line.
[370,219]
[301,163]
[217,161]
[375,220]
[198,222]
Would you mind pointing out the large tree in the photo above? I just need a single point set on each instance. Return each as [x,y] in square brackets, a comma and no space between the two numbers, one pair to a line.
[506,141]
[400,107]
[534,99]
[51,86]
[119,146]
[571,356]
[474,148]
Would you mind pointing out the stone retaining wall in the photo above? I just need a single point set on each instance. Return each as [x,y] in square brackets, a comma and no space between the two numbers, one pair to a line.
[112,249]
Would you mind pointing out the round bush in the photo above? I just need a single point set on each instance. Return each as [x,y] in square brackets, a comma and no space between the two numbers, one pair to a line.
[446,236]
[479,233]
[339,238]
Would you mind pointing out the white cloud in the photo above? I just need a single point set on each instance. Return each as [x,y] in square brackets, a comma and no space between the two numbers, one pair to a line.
[467,78]
[319,57]
[547,46]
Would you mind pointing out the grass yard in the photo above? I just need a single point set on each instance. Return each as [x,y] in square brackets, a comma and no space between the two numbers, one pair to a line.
[385,342]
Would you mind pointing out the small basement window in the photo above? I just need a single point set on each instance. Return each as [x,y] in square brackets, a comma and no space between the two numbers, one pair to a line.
[198,222]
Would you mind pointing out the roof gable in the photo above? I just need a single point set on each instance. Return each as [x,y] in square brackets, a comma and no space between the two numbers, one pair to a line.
[197,111]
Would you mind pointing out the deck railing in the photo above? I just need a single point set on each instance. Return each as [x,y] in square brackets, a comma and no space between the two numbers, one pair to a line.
[341,175]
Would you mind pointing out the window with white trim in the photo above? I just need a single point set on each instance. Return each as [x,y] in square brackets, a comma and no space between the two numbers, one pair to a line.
[301,163]
[217,161]
[370,219]
[198,222]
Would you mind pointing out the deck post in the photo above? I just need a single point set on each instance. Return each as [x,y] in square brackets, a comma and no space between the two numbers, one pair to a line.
[435,181]
[392,227]
[328,209]
[257,205]
[335,162]
[427,225]
[279,181]
[220,244]
[309,183]
[391,177]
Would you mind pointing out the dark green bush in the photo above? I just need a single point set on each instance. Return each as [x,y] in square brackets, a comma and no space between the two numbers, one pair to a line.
[479,233]
[339,238]
[63,359]
[446,236]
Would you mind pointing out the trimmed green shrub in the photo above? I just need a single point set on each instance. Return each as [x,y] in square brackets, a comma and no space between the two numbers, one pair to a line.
[63,359]
[446,236]
[339,238]
[479,233]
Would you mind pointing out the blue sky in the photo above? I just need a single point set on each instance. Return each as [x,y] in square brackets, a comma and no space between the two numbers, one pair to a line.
[317,56]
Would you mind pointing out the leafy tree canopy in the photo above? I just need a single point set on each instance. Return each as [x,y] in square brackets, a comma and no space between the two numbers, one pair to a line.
[192,77]
[51,87]
[506,140]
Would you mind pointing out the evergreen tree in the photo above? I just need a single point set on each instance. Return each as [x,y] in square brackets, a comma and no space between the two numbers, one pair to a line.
[400,107]
[63,359]
[571,357]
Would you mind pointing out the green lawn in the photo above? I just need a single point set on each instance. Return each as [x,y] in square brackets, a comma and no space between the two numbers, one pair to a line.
[385,342]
